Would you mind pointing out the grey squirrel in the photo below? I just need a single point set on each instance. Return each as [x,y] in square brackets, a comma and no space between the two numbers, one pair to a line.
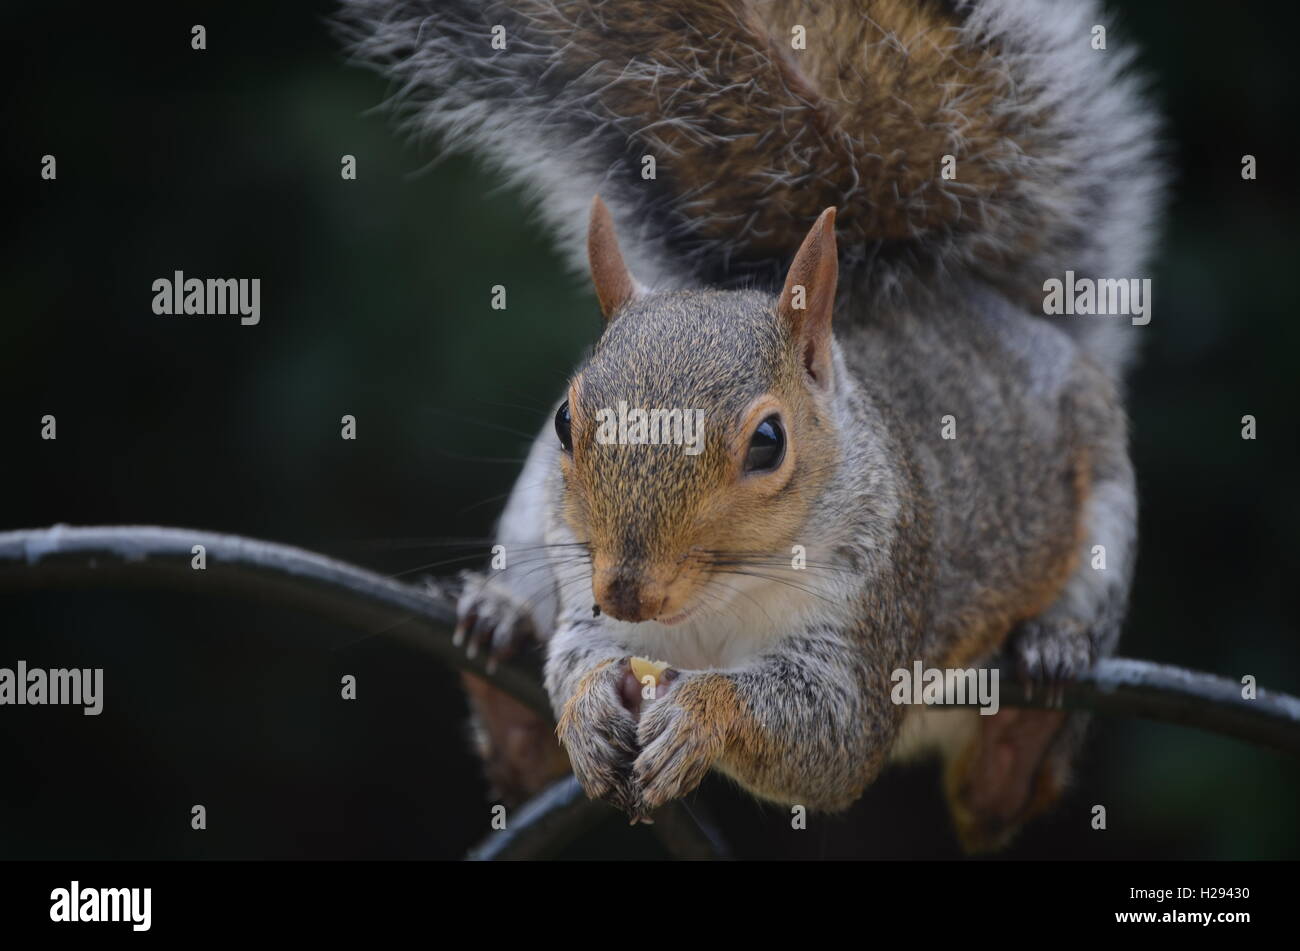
[778,248]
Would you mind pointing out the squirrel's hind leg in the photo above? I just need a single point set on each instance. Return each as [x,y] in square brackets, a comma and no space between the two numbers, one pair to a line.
[1016,762]
[502,612]
[1004,776]
[520,753]
[518,747]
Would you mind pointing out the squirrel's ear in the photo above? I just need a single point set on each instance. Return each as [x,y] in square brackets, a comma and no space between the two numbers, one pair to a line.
[615,285]
[808,298]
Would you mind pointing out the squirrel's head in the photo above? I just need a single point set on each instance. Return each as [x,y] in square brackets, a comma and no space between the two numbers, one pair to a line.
[700,432]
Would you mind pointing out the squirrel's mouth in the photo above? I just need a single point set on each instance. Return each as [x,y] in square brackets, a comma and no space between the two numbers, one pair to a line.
[679,617]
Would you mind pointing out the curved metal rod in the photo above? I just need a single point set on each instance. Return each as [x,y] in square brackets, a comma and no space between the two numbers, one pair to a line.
[63,556]
[541,827]
[1140,688]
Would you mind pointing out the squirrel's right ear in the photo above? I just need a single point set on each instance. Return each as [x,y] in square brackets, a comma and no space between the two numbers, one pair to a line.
[808,299]
[615,285]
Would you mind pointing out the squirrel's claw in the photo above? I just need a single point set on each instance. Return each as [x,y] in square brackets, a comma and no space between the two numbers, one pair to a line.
[489,620]
[677,747]
[599,734]
[1051,652]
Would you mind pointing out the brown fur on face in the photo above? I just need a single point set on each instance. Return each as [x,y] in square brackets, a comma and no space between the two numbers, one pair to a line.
[644,506]
[655,516]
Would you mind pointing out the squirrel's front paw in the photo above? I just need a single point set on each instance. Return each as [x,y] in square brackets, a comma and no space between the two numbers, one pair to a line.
[599,733]
[682,735]
[1049,652]
[490,619]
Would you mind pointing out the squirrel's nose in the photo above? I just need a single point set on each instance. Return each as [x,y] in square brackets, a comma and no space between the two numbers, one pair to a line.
[628,595]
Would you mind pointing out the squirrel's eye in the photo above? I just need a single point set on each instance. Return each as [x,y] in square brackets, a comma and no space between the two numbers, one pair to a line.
[766,446]
[563,427]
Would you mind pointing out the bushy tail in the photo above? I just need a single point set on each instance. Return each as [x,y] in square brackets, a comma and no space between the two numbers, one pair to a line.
[956,137]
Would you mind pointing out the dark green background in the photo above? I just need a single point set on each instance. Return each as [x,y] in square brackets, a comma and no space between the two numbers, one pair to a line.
[375,302]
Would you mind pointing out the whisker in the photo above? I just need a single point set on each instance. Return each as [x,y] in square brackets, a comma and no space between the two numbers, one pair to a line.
[529,553]
[784,581]
[461,417]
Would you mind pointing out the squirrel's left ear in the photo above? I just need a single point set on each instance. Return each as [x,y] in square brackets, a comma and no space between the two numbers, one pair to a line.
[615,285]
[808,300]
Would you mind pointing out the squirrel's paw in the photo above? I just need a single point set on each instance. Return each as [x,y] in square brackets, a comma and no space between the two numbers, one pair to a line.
[489,619]
[599,733]
[681,736]
[1049,652]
